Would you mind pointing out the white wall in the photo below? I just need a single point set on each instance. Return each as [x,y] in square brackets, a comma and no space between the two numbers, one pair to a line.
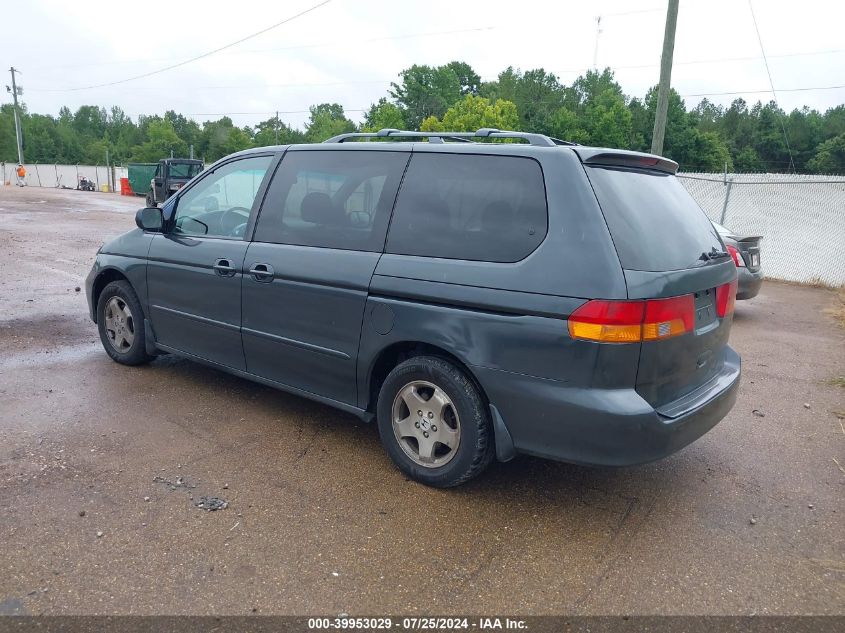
[62,175]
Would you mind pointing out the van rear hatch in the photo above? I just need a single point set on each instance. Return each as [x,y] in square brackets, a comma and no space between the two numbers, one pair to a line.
[675,262]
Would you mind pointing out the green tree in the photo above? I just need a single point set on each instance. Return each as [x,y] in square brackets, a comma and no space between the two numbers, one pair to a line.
[607,120]
[426,91]
[473,113]
[536,93]
[221,137]
[468,79]
[161,140]
[830,158]
[587,88]
[748,160]
[565,124]
[383,114]
[274,132]
[701,151]
[186,129]
[327,120]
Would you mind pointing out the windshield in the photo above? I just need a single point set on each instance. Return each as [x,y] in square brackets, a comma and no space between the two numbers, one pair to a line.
[184,170]
[654,222]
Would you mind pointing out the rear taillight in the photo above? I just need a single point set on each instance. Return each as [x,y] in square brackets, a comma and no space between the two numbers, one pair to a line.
[633,321]
[665,318]
[725,298]
[737,256]
[608,321]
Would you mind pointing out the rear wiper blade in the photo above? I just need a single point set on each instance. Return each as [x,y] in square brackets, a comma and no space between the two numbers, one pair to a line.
[713,254]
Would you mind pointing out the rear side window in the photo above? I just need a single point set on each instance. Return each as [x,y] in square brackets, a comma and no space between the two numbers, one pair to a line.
[654,222]
[460,206]
[331,199]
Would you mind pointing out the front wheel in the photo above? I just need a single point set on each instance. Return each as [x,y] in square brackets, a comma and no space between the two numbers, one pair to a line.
[120,321]
[434,423]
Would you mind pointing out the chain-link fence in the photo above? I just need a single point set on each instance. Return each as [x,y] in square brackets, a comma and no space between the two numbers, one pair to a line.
[801,219]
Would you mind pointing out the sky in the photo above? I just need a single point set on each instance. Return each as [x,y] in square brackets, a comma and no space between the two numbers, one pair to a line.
[348,51]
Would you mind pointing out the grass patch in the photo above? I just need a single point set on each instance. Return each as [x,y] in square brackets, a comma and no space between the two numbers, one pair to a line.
[837,382]
[838,310]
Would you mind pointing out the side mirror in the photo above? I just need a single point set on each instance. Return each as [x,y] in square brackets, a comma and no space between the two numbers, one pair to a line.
[149,219]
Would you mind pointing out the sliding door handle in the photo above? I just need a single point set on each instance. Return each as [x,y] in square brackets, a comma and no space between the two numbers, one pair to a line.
[224,268]
[261,272]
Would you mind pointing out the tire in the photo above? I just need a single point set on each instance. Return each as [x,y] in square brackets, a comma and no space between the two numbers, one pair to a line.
[459,416]
[120,321]
[151,200]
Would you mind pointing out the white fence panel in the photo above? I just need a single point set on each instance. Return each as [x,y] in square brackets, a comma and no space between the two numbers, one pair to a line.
[801,219]
[41,175]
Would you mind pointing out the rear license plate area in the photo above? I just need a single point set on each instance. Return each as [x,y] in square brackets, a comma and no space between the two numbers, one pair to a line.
[705,308]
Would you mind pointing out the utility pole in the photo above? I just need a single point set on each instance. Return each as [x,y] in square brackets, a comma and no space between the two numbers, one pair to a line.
[276,127]
[665,78]
[15,90]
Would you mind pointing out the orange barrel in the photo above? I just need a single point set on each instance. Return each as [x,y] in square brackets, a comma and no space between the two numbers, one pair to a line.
[125,189]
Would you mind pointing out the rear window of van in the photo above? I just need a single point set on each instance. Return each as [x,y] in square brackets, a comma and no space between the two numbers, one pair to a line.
[655,224]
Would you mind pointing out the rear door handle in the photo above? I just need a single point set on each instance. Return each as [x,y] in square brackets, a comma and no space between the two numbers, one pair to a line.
[262,272]
[224,268]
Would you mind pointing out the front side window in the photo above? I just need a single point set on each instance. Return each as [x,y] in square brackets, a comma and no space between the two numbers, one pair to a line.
[331,199]
[219,205]
[472,207]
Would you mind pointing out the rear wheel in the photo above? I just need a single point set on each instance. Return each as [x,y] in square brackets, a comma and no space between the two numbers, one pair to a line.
[151,200]
[434,423]
[120,321]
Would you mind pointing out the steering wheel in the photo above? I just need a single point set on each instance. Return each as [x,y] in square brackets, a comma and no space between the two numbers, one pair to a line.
[237,231]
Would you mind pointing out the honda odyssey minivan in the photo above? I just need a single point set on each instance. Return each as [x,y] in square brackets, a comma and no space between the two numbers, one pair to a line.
[475,298]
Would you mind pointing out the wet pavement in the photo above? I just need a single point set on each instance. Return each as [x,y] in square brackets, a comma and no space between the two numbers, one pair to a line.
[103,471]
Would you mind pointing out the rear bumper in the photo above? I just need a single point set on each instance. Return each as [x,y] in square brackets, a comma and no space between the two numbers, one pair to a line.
[608,427]
[748,283]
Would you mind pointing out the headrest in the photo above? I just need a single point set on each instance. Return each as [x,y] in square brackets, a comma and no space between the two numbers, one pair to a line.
[317,208]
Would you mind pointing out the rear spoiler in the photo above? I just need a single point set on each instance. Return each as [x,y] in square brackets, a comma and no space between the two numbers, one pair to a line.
[624,158]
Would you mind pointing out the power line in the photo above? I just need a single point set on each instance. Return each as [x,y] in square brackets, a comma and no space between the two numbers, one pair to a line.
[740,92]
[201,56]
[774,94]
[263,112]
[281,48]
[252,86]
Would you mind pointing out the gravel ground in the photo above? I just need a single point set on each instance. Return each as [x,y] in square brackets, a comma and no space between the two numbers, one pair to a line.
[103,468]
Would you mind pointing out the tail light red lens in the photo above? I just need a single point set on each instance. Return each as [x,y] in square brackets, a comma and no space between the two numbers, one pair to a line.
[633,321]
[608,321]
[736,255]
[665,318]
[725,298]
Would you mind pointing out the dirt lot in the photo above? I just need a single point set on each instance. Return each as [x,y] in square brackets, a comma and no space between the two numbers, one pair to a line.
[99,464]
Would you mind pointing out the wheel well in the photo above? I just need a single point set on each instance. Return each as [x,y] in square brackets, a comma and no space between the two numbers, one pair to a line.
[103,279]
[394,354]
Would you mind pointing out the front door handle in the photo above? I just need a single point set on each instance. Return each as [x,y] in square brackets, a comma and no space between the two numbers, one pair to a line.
[261,272]
[223,267]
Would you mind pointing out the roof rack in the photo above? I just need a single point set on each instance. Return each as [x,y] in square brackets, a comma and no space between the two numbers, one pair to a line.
[439,137]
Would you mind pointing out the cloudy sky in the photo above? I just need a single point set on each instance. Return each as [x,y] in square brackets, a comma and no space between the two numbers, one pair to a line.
[348,51]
